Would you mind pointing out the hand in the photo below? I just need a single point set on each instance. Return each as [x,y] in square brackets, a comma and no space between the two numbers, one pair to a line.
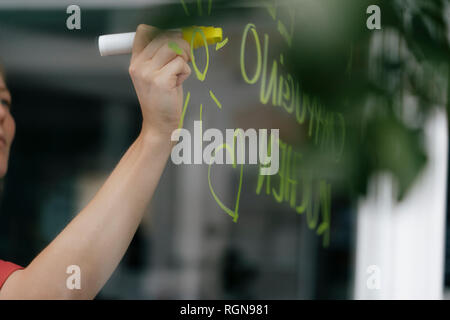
[158,73]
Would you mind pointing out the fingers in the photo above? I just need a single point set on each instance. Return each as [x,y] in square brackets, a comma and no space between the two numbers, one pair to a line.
[159,58]
[160,48]
[160,41]
[165,53]
[175,72]
[144,35]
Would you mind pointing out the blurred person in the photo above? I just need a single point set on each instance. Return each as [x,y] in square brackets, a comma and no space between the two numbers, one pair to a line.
[98,237]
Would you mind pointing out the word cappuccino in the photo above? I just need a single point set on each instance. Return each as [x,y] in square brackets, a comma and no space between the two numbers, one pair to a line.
[233,151]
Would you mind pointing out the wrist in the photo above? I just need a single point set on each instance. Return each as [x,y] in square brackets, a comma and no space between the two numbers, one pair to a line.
[157,138]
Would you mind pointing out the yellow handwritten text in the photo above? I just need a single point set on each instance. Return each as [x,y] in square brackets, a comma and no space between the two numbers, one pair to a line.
[300,191]
[325,127]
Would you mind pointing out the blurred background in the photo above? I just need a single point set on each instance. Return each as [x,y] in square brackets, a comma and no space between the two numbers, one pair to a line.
[77,114]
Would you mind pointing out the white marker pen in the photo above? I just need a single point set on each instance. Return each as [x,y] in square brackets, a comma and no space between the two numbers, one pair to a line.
[122,43]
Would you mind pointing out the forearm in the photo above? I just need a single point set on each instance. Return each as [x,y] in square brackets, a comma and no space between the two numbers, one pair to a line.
[98,237]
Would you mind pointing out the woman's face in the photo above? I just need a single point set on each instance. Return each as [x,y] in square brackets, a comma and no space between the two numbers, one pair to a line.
[7,126]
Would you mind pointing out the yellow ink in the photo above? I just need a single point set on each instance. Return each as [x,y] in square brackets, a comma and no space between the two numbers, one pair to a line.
[280,90]
[341,149]
[271,8]
[209,7]
[317,205]
[185,7]
[289,95]
[286,93]
[215,99]
[280,194]
[315,196]
[290,183]
[291,179]
[302,101]
[327,134]
[201,110]
[174,46]
[262,178]
[186,102]
[234,214]
[272,88]
[222,44]
[306,197]
[312,109]
[287,35]
[312,214]
[199,7]
[324,227]
[260,184]
[255,78]
[318,122]
[200,75]
[213,35]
